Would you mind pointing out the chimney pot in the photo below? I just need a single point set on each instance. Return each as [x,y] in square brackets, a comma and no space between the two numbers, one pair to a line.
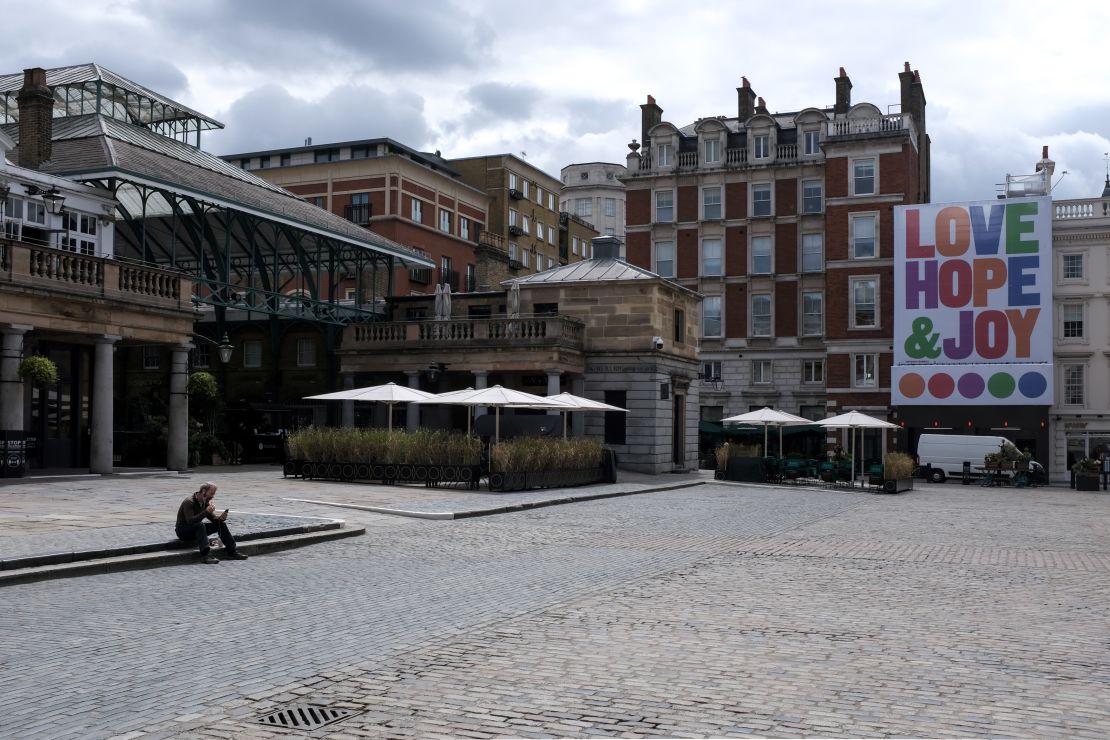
[651,100]
[843,73]
[1044,152]
[843,93]
[744,83]
[907,67]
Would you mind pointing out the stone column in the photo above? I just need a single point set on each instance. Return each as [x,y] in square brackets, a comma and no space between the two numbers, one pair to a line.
[412,410]
[11,387]
[101,442]
[177,426]
[481,380]
[348,407]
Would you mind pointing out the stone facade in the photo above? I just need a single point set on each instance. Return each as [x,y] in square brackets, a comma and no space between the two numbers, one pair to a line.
[594,192]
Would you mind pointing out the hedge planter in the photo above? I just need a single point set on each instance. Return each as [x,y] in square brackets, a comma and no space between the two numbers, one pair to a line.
[897,486]
[499,481]
[429,475]
[1086,482]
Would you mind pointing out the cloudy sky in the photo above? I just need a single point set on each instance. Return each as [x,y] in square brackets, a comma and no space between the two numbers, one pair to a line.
[562,80]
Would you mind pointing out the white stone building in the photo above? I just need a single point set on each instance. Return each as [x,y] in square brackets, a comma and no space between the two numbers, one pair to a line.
[594,192]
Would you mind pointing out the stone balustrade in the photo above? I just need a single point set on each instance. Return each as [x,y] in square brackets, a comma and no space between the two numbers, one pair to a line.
[881,125]
[75,274]
[1074,209]
[526,331]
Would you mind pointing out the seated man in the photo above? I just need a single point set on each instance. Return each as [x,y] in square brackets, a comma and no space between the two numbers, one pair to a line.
[191,526]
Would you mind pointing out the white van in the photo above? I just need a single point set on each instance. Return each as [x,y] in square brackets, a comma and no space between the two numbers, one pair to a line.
[946,454]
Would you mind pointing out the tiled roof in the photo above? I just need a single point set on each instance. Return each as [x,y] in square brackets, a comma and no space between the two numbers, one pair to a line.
[587,271]
[91,146]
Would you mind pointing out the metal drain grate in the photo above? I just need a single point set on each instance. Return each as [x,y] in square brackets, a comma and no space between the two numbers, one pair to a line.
[304,717]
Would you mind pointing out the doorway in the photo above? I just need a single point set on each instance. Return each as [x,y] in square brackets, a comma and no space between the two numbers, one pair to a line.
[59,415]
[678,431]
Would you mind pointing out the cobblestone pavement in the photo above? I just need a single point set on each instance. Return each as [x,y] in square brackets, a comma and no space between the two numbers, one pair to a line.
[719,610]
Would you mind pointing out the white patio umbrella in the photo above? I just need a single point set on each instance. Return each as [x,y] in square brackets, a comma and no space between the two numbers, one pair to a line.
[449,395]
[387,393]
[768,417]
[579,403]
[439,301]
[446,301]
[497,398]
[854,420]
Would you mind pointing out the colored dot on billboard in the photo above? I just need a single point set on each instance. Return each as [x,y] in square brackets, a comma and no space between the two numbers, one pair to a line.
[912,385]
[941,385]
[1001,385]
[971,385]
[1032,385]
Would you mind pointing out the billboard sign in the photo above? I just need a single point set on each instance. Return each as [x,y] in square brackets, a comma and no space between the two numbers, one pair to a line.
[973,303]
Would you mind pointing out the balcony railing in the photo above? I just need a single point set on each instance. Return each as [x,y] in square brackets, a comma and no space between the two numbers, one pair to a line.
[523,332]
[80,275]
[882,125]
[1074,209]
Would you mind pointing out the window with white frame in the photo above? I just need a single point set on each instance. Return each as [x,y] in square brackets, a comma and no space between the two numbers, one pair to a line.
[585,249]
[761,372]
[514,217]
[711,204]
[811,143]
[513,251]
[152,357]
[813,371]
[813,252]
[306,353]
[862,235]
[611,207]
[761,146]
[663,155]
[539,230]
[551,201]
[551,235]
[471,278]
[574,245]
[813,313]
[711,316]
[513,181]
[526,224]
[550,262]
[863,176]
[761,315]
[252,353]
[444,220]
[417,210]
[539,195]
[712,150]
[664,259]
[761,199]
[711,370]
[1071,266]
[199,356]
[761,255]
[80,232]
[464,227]
[865,302]
[1074,385]
[583,207]
[812,196]
[526,258]
[1072,314]
[664,206]
[610,231]
[711,257]
[865,371]
[524,184]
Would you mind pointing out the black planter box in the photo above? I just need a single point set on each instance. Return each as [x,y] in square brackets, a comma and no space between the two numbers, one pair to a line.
[546,479]
[745,469]
[429,475]
[897,486]
[1086,482]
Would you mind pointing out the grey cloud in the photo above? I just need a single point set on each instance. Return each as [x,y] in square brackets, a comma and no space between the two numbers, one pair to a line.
[591,116]
[429,35]
[271,118]
[503,101]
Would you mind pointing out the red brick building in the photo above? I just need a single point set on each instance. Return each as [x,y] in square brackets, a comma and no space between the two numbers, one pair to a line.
[414,198]
[783,222]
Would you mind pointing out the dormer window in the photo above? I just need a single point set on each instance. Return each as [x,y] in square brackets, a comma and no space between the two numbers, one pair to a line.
[811,141]
[664,155]
[762,146]
[712,149]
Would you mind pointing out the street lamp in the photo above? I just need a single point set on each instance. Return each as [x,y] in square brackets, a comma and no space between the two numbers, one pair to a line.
[225,348]
[52,198]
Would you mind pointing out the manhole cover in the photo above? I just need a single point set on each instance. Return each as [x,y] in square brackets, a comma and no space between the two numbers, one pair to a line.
[304,717]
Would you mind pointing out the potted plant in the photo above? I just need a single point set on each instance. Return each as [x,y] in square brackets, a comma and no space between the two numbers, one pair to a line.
[1086,473]
[897,472]
[38,370]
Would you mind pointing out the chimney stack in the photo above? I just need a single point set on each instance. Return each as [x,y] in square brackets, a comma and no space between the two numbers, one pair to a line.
[761,107]
[843,93]
[650,115]
[36,111]
[746,100]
